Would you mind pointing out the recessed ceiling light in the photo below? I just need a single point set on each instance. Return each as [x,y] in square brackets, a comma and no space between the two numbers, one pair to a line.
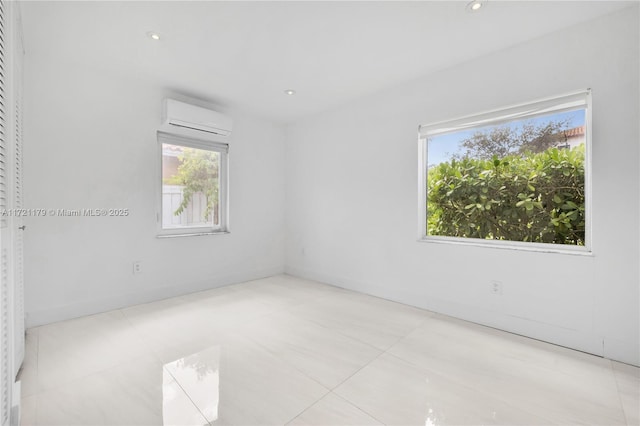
[153,36]
[475,5]
[290,92]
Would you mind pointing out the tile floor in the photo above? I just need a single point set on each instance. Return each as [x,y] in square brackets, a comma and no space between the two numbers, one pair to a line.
[283,350]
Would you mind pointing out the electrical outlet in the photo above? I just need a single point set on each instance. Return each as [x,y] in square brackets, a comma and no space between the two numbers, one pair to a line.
[495,287]
[137,268]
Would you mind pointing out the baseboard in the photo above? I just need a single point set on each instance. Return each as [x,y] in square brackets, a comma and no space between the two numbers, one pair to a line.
[90,307]
[623,351]
[573,339]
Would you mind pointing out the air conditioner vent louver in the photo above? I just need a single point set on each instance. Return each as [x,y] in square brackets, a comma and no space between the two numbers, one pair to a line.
[193,117]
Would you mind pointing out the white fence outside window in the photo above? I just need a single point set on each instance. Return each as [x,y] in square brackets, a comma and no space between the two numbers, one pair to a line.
[192,215]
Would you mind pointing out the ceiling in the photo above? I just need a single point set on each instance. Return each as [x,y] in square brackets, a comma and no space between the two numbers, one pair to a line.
[245,54]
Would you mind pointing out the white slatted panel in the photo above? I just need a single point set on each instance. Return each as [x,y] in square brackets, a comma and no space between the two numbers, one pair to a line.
[17,260]
[6,381]
[3,116]
[5,401]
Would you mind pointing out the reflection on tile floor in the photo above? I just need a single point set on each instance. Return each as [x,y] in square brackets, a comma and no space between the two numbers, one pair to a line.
[283,350]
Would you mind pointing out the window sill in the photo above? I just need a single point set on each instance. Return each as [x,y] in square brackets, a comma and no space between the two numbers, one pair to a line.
[192,234]
[513,245]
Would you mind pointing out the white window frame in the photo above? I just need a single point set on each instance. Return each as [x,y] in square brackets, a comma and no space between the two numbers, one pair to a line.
[567,102]
[195,139]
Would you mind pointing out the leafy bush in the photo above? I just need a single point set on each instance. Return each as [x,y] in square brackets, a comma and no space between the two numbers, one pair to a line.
[198,172]
[535,197]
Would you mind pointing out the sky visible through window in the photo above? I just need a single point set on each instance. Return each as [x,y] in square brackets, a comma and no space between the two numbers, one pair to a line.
[443,147]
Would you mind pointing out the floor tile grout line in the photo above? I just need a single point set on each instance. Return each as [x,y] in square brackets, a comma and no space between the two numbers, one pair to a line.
[136,331]
[381,352]
[275,354]
[301,303]
[84,377]
[337,396]
[331,390]
[358,407]
[305,373]
[308,406]
[456,382]
[289,309]
[430,315]
[426,370]
[254,319]
[275,311]
[615,378]
[142,338]
[472,389]
[186,394]
[358,370]
[348,378]
[436,314]
[343,334]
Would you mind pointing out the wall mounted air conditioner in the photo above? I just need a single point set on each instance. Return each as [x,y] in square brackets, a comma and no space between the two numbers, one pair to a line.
[180,114]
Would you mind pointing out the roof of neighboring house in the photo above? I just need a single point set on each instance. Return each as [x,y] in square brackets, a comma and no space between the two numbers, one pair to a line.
[171,150]
[575,132]
[170,147]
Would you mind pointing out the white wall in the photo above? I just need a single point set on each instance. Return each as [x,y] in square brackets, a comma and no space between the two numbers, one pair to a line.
[90,143]
[351,195]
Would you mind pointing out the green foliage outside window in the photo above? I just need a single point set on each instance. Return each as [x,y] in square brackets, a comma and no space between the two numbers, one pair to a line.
[530,196]
[198,172]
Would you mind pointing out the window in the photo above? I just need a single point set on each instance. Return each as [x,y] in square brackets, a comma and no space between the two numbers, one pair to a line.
[516,177]
[193,197]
